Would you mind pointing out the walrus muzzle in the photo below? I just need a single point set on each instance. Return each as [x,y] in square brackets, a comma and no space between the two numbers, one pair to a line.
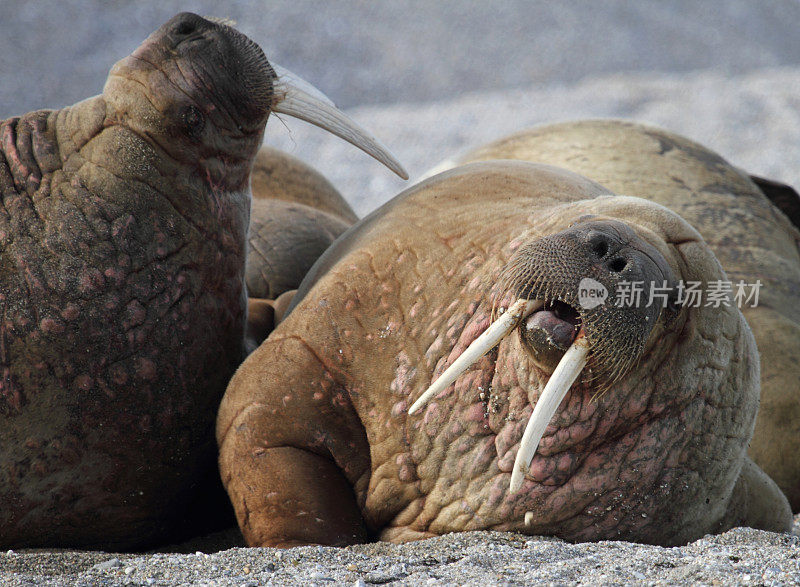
[595,290]
[189,51]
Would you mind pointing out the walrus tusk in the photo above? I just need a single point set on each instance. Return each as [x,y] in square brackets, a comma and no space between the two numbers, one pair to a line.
[296,97]
[568,369]
[479,347]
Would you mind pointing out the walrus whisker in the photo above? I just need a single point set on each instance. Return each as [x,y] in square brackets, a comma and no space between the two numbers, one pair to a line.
[568,369]
[479,347]
[296,97]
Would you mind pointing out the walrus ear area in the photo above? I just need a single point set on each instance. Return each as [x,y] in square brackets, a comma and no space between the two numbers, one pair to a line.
[588,277]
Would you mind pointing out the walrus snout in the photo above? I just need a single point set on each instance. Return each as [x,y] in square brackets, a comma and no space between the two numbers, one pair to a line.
[193,75]
[215,64]
[599,275]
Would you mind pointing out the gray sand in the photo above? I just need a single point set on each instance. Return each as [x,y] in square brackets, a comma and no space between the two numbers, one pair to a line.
[740,556]
[432,79]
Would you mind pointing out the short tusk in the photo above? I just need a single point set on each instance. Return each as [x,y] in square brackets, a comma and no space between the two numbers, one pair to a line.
[479,347]
[296,97]
[565,374]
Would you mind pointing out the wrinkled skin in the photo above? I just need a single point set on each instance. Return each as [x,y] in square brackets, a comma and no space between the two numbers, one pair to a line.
[742,225]
[317,447]
[122,251]
[295,216]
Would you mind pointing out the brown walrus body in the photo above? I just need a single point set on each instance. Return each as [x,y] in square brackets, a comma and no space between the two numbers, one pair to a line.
[123,240]
[316,443]
[123,236]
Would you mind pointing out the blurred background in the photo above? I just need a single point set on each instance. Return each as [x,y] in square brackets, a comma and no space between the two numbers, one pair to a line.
[435,77]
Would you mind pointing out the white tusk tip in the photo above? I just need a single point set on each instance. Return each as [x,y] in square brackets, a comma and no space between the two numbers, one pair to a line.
[560,382]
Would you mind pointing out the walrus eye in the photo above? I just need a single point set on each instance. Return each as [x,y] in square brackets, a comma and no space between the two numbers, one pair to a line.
[194,120]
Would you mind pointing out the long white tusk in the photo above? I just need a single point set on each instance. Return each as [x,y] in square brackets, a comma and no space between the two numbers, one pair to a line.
[296,97]
[479,347]
[287,77]
[565,374]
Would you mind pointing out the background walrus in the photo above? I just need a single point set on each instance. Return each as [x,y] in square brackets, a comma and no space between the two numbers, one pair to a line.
[122,256]
[296,215]
[650,444]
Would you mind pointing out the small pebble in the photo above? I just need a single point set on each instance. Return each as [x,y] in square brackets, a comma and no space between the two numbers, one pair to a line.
[359,583]
[108,565]
[352,567]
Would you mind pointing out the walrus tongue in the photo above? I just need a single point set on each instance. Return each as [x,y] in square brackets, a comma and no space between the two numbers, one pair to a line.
[296,97]
[558,324]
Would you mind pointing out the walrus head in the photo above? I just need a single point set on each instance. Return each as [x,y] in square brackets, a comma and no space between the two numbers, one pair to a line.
[571,273]
[568,329]
[194,74]
[589,296]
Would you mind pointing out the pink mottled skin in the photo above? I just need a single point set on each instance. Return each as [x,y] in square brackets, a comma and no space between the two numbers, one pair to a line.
[658,457]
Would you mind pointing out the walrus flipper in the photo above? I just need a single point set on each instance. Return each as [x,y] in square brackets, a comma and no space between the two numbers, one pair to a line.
[263,315]
[292,450]
[784,196]
[757,502]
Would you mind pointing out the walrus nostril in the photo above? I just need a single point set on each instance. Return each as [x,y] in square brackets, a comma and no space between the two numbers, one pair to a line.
[600,248]
[186,26]
[617,264]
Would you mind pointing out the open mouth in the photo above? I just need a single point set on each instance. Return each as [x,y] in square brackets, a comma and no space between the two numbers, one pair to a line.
[556,324]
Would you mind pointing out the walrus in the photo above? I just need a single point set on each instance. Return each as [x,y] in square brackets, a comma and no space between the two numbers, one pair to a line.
[749,222]
[318,442]
[123,236]
[295,216]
